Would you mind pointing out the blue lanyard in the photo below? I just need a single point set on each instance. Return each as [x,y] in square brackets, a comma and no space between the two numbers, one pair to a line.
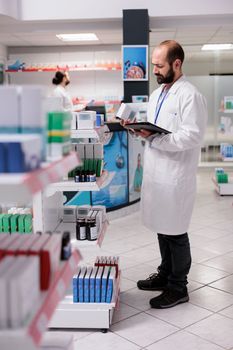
[159,103]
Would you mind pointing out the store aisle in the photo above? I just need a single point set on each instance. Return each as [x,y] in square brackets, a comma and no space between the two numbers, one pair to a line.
[206,322]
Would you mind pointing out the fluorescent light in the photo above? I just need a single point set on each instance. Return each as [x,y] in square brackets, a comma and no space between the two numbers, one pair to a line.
[217,47]
[77,37]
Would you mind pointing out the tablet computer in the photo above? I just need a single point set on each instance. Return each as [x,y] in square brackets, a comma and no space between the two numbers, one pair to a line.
[146,126]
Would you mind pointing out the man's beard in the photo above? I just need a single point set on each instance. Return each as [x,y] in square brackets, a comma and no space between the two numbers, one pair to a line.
[168,79]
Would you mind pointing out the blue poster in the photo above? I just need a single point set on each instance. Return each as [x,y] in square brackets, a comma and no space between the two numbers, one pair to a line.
[135,62]
[115,192]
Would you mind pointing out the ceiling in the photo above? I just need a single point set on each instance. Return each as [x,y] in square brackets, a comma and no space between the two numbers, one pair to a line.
[191,32]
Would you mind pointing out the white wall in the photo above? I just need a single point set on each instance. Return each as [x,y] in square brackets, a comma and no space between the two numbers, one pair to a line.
[10,8]
[77,9]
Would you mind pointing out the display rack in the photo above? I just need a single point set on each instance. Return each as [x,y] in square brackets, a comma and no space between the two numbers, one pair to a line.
[69,314]
[21,187]
[86,315]
[29,337]
[223,189]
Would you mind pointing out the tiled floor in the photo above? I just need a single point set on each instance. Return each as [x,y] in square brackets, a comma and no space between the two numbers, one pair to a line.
[206,322]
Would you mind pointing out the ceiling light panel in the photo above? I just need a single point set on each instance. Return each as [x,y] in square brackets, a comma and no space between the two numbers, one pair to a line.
[77,37]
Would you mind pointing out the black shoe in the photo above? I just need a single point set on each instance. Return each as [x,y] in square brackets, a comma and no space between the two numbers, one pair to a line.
[169,298]
[154,282]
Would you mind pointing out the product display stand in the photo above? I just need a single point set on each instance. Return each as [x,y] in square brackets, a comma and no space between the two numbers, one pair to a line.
[86,315]
[224,189]
[69,314]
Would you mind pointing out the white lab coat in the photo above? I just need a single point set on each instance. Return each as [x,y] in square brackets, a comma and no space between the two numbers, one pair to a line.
[170,161]
[66,100]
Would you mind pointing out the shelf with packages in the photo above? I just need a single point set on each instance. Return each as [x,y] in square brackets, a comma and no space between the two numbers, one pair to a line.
[21,187]
[77,68]
[86,315]
[223,189]
[29,337]
[71,227]
[71,185]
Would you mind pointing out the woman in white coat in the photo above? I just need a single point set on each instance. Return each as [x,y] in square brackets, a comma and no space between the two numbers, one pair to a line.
[61,80]
[170,165]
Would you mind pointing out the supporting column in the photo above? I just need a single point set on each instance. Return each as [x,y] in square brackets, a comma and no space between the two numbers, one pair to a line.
[135,32]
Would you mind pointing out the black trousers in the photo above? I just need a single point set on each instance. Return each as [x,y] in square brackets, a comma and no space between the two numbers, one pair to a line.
[176,260]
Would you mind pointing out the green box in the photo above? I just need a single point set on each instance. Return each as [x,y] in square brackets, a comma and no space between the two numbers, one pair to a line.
[99,167]
[1,222]
[222,178]
[28,223]
[14,222]
[59,121]
[21,227]
[6,223]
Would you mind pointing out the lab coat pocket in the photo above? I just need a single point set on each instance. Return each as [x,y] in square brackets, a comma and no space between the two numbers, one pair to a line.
[166,171]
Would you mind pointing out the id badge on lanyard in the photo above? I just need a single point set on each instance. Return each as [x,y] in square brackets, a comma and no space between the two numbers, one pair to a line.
[161,99]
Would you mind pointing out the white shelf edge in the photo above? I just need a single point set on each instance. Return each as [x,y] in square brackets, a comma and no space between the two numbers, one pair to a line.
[87,133]
[72,186]
[24,186]
[223,189]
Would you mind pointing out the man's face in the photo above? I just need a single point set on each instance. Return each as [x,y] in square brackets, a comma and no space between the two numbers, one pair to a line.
[163,71]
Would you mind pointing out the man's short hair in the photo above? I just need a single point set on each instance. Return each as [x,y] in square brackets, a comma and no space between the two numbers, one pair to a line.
[175,51]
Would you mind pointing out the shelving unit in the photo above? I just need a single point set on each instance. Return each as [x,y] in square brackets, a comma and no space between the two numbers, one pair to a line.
[90,315]
[69,314]
[28,337]
[223,189]
[21,189]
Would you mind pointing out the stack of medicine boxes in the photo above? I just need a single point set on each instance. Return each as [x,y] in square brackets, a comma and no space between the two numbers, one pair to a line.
[59,129]
[21,128]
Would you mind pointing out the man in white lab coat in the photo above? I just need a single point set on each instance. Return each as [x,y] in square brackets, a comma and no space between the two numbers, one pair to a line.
[170,165]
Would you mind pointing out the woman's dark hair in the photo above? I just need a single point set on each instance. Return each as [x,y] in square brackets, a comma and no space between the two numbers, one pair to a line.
[174,51]
[58,78]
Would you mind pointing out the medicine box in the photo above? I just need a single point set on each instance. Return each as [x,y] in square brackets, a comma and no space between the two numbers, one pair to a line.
[87,285]
[75,286]
[4,302]
[30,109]
[92,284]
[86,120]
[9,111]
[110,286]
[81,284]
[98,281]
[104,284]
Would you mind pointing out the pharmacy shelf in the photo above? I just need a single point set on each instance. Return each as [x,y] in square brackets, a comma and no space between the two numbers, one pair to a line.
[68,69]
[96,133]
[86,315]
[21,187]
[72,186]
[71,227]
[29,337]
[223,189]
